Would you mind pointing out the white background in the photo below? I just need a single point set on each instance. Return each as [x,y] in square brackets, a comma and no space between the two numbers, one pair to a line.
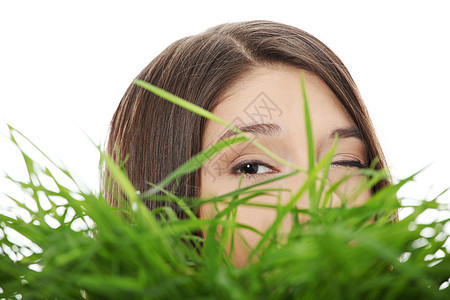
[64,66]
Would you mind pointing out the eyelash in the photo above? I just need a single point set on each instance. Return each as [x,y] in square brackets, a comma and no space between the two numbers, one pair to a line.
[350,163]
[235,169]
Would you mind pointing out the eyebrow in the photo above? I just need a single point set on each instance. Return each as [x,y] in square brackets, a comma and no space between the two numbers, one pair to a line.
[347,132]
[272,129]
[257,129]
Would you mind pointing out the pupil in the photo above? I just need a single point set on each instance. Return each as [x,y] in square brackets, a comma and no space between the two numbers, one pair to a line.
[250,169]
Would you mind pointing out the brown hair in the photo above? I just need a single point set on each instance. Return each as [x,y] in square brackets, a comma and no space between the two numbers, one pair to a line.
[159,136]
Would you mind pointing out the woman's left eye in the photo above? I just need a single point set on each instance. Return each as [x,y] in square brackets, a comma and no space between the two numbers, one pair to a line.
[350,163]
[252,168]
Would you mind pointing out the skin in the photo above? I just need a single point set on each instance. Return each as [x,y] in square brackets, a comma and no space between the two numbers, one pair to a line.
[281,106]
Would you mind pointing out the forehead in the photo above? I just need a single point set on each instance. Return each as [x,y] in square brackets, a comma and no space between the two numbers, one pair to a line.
[274,95]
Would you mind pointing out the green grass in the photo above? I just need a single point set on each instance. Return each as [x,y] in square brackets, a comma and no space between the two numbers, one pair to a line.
[95,251]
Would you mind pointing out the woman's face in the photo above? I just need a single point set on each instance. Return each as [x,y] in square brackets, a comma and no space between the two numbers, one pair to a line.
[267,104]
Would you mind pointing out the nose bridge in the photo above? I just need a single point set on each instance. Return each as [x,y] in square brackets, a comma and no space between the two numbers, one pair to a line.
[294,184]
[299,157]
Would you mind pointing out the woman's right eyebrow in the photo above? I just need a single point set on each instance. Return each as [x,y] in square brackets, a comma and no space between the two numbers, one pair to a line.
[257,129]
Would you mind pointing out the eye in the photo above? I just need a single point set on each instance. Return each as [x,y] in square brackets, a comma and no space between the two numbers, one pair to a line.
[350,163]
[252,167]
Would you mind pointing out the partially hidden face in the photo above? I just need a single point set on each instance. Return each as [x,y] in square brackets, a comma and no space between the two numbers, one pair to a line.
[267,104]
